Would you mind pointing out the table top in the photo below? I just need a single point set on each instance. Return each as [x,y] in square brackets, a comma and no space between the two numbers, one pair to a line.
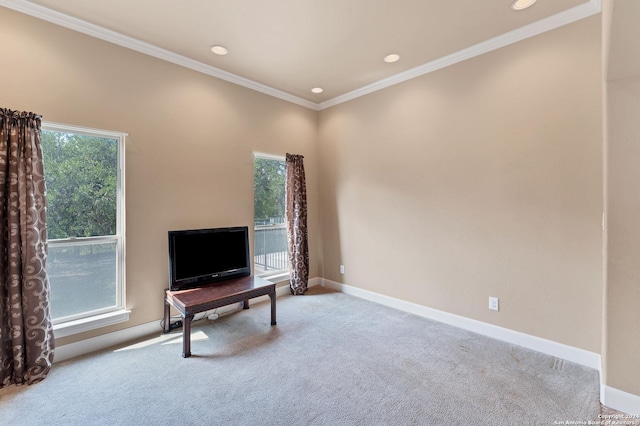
[218,290]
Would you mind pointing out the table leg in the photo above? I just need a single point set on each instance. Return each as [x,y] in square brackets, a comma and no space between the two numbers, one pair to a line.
[186,336]
[166,316]
[245,305]
[272,296]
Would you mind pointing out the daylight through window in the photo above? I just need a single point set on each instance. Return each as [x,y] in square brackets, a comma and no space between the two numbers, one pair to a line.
[271,259]
[83,173]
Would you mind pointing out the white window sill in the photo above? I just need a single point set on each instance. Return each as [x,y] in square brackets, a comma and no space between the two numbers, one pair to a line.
[276,278]
[70,328]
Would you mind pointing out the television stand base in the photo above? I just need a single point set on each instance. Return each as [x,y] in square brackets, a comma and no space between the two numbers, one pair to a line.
[195,300]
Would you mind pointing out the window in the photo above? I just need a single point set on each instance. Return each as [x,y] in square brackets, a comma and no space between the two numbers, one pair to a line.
[270,253]
[85,214]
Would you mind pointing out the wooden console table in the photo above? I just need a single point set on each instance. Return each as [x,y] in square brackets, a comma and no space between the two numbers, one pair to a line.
[192,301]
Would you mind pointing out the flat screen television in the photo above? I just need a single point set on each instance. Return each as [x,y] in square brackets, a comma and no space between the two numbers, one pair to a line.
[202,256]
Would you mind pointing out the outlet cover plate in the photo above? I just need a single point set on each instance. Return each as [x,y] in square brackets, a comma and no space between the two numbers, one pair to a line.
[494,303]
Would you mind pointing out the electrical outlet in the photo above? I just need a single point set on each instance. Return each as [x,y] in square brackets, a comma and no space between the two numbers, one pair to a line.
[494,303]
[342,269]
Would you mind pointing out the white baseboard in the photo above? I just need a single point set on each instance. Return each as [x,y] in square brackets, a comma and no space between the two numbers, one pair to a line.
[549,347]
[621,401]
[105,341]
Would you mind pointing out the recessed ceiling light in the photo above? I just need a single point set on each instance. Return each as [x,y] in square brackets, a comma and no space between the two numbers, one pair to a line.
[219,50]
[392,58]
[317,90]
[522,4]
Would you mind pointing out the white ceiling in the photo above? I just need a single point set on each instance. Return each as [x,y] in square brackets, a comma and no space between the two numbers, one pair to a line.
[287,47]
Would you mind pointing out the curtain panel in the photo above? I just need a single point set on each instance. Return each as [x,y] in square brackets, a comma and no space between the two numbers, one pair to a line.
[26,331]
[296,212]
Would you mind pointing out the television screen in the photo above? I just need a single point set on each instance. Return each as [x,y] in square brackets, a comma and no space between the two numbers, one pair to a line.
[202,256]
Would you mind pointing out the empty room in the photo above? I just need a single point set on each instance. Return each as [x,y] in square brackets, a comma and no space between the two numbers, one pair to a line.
[320,212]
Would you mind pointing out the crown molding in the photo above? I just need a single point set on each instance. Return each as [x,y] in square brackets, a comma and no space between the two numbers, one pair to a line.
[98,32]
[535,28]
[568,16]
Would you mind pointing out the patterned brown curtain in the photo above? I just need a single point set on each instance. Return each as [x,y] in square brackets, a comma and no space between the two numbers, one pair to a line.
[26,332]
[296,200]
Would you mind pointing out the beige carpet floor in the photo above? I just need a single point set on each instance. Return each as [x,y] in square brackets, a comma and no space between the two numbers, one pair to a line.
[333,359]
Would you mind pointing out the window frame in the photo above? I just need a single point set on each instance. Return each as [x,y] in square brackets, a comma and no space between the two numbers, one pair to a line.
[283,274]
[90,320]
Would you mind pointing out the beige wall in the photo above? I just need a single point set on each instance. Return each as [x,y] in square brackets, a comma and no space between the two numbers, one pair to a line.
[481,179]
[623,268]
[622,179]
[189,153]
